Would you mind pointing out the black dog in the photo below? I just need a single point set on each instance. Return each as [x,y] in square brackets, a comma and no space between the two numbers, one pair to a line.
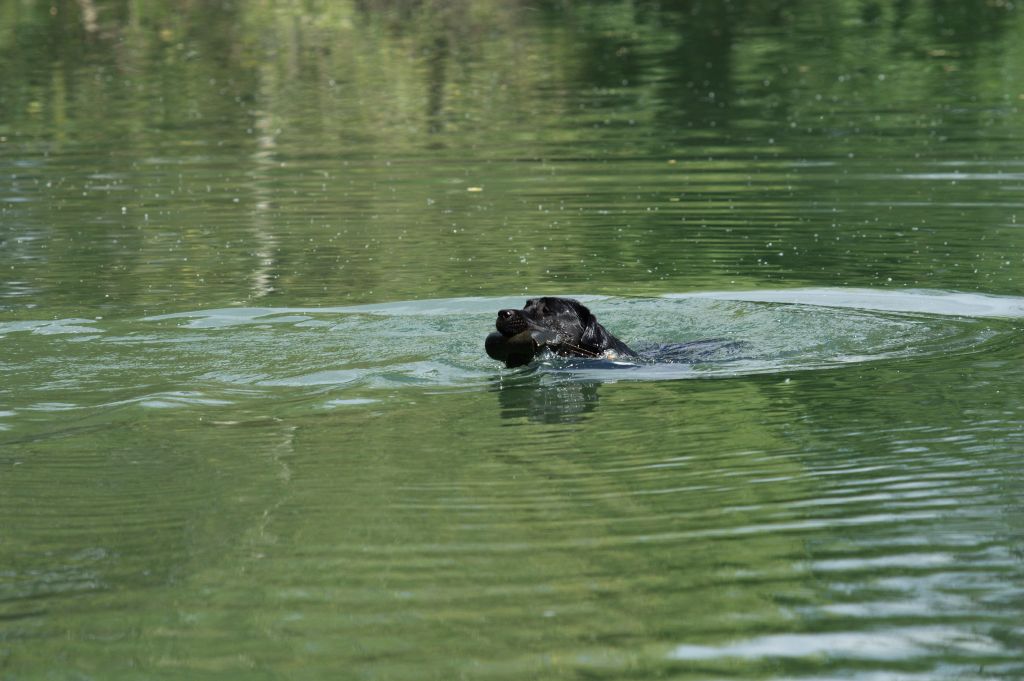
[562,325]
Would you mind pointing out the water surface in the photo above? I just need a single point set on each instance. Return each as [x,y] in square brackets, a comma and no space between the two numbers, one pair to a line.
[249,253]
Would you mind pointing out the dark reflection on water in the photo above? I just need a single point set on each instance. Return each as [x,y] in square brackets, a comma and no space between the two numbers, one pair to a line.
[558,402]
[247,427]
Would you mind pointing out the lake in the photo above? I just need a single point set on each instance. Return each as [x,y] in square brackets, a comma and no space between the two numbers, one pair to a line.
[249,254]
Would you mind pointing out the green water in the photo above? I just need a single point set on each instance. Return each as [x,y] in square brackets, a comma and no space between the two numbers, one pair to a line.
[249,253]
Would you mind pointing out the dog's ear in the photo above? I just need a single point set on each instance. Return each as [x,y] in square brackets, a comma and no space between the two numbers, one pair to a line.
[581,310]
[594,335]
[583,314]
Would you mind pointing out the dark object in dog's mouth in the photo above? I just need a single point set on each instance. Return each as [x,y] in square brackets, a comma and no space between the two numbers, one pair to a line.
[517,348]
[513,349]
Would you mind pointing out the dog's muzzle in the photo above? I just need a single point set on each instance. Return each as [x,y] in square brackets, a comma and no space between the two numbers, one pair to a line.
[510,322]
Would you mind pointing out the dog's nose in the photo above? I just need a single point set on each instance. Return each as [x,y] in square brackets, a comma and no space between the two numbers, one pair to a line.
[506,314]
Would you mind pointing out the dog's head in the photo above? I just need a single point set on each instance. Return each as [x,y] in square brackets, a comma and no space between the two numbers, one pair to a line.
[563,325]
[566,318]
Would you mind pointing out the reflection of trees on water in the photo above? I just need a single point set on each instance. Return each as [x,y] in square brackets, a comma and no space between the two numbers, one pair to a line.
[150,91]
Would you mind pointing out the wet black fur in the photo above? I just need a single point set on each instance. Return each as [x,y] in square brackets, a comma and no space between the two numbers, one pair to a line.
[567,325]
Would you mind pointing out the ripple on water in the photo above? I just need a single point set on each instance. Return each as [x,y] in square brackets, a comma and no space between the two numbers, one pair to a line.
[737,542]
[203,358]
[892,643]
